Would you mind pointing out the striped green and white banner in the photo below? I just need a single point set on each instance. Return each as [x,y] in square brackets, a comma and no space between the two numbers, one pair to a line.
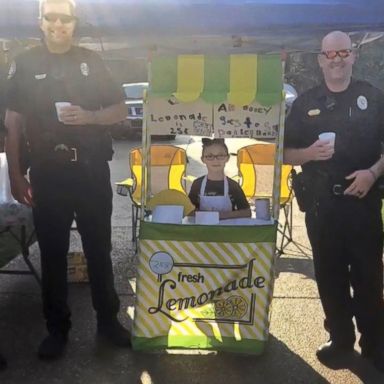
[201,287]
[238,79]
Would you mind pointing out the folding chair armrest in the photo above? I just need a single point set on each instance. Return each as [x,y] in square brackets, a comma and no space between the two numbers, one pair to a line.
[124,187]
[127,182]
[189,178]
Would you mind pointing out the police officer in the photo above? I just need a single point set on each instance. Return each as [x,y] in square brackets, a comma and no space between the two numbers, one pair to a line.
[343,216]
[3,363]
[69,173]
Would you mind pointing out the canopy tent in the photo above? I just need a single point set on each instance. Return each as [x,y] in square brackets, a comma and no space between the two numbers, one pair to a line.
[254,24]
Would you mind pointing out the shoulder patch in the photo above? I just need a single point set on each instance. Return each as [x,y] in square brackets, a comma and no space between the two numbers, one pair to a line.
[84,68]
[12,70]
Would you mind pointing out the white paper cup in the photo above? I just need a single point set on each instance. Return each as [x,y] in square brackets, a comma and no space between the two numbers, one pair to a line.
[207,217]
[262,208]
[328,136]
[59,105]
[168,214]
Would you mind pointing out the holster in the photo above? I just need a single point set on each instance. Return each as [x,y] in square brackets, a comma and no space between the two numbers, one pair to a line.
[304,191]
[380,186]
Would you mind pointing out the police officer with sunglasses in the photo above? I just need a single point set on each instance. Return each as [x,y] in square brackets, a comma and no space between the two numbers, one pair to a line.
[342,202]
[69,172]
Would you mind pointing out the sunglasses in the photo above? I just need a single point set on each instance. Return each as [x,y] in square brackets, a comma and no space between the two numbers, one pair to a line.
[213,157]
[53,17]
[342,53]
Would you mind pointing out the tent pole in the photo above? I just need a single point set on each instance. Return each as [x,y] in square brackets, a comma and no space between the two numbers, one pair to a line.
[279,152]
[146,146]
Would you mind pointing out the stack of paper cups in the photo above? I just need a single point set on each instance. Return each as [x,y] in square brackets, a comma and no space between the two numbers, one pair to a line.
[262,208]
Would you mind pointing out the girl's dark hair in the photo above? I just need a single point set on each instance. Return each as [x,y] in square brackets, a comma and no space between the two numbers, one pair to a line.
[207,142]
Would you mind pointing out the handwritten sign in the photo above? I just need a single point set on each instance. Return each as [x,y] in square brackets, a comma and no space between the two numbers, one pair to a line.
[252,120]
[169,117]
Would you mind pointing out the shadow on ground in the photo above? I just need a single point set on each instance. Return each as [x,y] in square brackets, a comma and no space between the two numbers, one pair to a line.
[295,264]
[288,358]
[88,360]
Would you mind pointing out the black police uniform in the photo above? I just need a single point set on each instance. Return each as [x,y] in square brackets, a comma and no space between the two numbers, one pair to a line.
[346,233]
[69,172]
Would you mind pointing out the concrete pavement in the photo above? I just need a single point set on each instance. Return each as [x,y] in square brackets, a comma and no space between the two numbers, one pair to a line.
[295,332]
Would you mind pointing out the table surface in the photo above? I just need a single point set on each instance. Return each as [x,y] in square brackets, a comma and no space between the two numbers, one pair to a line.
[190,220]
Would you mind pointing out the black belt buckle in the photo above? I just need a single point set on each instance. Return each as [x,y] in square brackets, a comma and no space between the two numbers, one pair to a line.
[74,155]
[337,190]
[65,153]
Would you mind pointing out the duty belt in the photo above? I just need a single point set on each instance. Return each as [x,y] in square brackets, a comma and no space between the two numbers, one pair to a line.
[65,153]
[338,189]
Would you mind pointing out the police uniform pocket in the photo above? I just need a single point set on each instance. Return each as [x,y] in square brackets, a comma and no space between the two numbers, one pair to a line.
[364,139]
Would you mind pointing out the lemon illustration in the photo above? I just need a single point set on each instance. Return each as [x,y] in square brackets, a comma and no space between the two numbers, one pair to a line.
[223,309]
[239,306]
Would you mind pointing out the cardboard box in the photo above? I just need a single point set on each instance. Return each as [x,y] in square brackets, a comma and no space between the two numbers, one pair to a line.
[77,268]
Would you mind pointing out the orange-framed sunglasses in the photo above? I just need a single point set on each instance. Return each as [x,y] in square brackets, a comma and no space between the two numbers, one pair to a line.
[342,53]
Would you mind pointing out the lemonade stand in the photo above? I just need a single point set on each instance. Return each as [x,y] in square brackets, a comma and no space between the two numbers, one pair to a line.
[210,286]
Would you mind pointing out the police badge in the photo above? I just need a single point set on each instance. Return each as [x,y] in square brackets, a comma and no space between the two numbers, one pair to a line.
[84,69]
[362,102]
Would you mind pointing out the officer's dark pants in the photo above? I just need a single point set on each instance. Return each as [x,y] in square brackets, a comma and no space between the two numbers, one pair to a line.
[347,241]
[59,193]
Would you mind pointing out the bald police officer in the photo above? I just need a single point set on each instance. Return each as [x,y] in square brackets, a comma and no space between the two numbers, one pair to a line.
[342,202]
[69,173]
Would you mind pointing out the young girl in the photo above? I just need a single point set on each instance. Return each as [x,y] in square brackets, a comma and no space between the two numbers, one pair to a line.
[215,191]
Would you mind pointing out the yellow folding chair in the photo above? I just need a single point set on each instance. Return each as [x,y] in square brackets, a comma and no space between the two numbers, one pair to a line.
[171,197]
[167,170]
[255,164]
